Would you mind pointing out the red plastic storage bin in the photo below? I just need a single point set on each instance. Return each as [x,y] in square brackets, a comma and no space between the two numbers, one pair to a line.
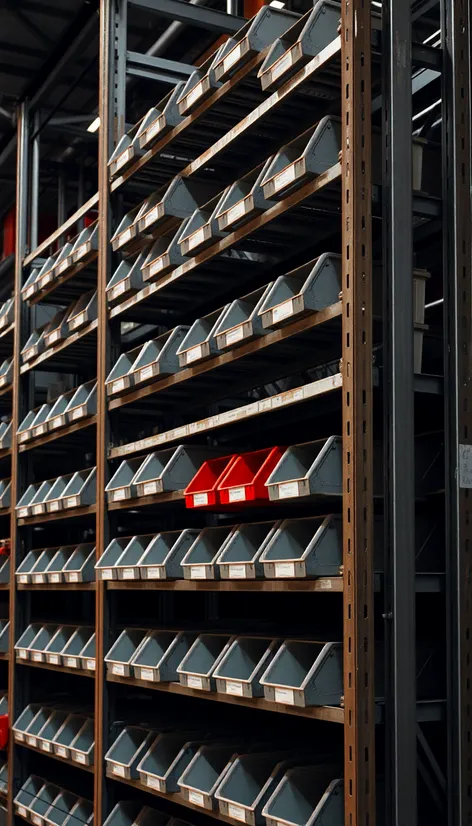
[3,731]
[245,480]
[202,491]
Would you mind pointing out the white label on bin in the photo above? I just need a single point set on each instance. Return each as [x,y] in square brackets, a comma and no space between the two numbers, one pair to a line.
[285,177]
[37,657]
[78,412]
[149,487]
[284,569]
[196,798]
[237,494]
[157,266]
[281,66]
[128,573]
[31,741]
[57,422]
[107,573]
[283,310]
[63,266]
[198,571]
[120,288]
[46,746]
[54,506]
[196,238]
[232,687]
[200,499]
[153,782]
[71,662]
[61,751]
[23,655]
[147,674]
[19,736]
[151,216]
[72,501]
[78,321]
[146,373]
[73,576]
[194,94]
[153,129]
[37,820]
[54,659]
[117,668]
[40,429]
[79,757]
[236,812]
[288,489]
[194,353]
[120,770]
[90,665]
[38,578]
[37,509]
[232,58]
[237,572]
[236,211]
[118,385]
[465,466]
[154,573]
[125,237]
[80,252]
[23,578]
[194,682]
[54,336]
[55,578]
[284,695]
[235,335]
[325,584]
[21,811]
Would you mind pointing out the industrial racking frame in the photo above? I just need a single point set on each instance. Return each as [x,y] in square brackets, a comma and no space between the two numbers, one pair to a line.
[354,383]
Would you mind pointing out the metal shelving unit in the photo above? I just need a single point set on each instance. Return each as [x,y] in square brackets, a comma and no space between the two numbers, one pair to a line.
[279,244]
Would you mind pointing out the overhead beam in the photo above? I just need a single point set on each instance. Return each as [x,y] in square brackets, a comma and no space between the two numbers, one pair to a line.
[157,68]
[200,16]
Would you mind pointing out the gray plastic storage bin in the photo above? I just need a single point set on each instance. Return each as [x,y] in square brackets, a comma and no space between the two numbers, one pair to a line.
[40,643]
[4,636]
[126,280]
[123,814]
[86,243]
[63,260]
[82,746]
[54,499]
[166,759]
[164,554]
[305,674]
[60,808]
[126,230]
[248,784]
[107,565]
[158,358]
[27,794]
[58,328]
[205,772]
[121,485]
[306,796]
[23,572]
[58,643]
[24,431]
[34,347]
[119,378]
[198,666]
[87,655]
[125,753]
[200,85]
[311,547]
[5,570]
[22,647]
[163,117]
[83,402]
[200,561]
[67,734]
[30,287]
[150,817]
[306,290]
[240,557]
[5,435]
[172,204]
[121,653]
[200,342]
[4,778]
[81,814]
[23,506]
[309,469]
[81,490]
[300,43]
[39,424]
[246,659]
[80,567]
[42,803]
[57,417]
[5,493]
[128,149]
[38,505]
[71,654]
[240,322]
[20,726]
[165,254]
[6,372]
[170,469]
[303,159]
[203,229]
[127,566]
[160,654]
[252,38]
[55,569]
[37,723]
[7,314]
[38,572]
[51,727]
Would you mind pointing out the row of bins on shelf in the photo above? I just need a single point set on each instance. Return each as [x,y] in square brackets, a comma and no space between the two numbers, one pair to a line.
[45,272]
[216,481]
[73,490]
[72,646]
[67,563]
[307,547]
[42,802]
[70,407]
[56,731]
[263,783]
[131,813]
[292,672]
[66,321]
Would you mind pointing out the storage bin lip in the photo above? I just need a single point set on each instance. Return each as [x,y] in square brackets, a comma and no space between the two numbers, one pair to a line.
[327,647]
[181,669]
[324,523]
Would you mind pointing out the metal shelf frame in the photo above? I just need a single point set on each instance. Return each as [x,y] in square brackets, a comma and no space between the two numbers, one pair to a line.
[373,62]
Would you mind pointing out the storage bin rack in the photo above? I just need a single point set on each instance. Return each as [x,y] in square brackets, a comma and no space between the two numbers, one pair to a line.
[235,306]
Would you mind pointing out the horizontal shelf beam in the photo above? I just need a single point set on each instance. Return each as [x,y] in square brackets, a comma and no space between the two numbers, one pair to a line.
[51,239]
[204,18]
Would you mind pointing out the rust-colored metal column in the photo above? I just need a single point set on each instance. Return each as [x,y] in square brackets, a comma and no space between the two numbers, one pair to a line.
[359,726]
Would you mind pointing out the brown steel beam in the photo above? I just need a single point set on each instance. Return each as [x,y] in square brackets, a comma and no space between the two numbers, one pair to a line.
[358,636]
